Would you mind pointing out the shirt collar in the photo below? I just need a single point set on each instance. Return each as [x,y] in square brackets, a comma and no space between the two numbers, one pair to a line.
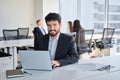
[40,27]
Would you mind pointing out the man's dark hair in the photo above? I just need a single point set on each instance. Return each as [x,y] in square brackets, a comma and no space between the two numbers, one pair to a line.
[54,17]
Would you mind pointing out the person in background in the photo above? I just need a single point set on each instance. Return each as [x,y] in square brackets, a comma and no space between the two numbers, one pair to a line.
[62,48]
[80,37]
[80,34]
[69,27]
[39,30]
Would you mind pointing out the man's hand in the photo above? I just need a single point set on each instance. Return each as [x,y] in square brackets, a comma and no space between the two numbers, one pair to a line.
[55,63]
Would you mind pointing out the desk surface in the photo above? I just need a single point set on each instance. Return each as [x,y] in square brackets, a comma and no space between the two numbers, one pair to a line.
[16,43]
[77,72]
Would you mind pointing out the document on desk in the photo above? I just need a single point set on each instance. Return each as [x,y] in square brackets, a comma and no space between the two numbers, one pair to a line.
[83,67]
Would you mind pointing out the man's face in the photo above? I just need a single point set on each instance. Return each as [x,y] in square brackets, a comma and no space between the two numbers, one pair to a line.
[53,27]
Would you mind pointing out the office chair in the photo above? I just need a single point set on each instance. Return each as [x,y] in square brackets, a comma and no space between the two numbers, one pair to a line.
[23,33]
[10,34]
[1,49]
[106,40]
[73,34]
[85,45]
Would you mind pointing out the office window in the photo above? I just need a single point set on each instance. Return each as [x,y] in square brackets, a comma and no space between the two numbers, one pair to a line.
[101,8]
[99,27]
[99,17]
[114,17]
[92,15]
[116,25]
[68,12]
[114,14]
[98,6]
[114,8]
[118,42]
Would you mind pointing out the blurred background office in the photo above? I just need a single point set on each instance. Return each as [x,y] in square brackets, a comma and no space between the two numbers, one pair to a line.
[97,15]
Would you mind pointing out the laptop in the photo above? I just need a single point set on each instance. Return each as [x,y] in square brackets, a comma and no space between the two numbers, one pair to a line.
[35,60]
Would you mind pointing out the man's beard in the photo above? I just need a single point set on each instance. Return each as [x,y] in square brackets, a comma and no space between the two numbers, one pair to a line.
[52,34]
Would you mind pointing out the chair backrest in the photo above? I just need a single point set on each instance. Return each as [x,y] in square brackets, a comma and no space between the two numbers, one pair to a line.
[23,33]
[108,34]
[85,37]
[73,34]
[88,36]
[84,40]
[80,38]
[10,34]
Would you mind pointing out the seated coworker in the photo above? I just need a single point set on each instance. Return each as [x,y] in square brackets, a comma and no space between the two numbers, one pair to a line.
[69,27]
[39,29]
[62,47]
[80,36]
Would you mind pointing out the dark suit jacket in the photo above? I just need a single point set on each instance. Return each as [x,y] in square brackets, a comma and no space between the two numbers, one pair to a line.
[66,52]
[37,31]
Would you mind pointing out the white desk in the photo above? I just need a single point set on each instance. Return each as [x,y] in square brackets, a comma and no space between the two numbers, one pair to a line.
[12,44]
[78,73]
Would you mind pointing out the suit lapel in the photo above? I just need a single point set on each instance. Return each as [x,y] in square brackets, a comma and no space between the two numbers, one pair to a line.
[44,30]
[46,44]
[41,31]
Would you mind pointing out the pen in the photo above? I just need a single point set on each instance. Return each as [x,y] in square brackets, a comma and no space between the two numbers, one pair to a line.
[27,73]
[107,67]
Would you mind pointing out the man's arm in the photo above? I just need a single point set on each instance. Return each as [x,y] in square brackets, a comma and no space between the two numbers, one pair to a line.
[72,54]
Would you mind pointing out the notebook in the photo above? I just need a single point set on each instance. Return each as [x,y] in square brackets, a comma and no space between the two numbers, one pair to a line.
[14,73]
[35,60]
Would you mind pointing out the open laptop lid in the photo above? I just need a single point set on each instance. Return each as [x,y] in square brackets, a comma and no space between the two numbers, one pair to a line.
[35,60]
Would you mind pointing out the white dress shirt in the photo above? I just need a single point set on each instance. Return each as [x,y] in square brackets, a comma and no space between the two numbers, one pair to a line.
[42,30]
[52,46]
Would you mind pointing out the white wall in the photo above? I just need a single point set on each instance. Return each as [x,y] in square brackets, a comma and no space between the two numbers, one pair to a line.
[50,6]
[43,7]
[24,13]
[38,9]
[16,13]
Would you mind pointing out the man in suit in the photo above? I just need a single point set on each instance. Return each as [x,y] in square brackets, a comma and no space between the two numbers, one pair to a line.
[39,29]
[62,47]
